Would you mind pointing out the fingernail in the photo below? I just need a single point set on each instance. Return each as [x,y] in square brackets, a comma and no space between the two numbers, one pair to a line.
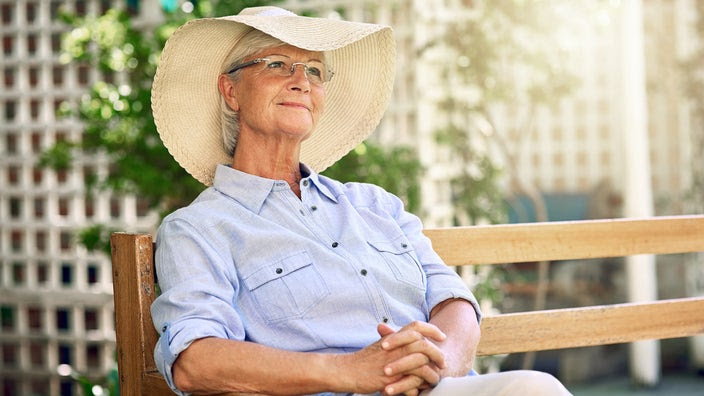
[385,344]
[390,391]
[388,370]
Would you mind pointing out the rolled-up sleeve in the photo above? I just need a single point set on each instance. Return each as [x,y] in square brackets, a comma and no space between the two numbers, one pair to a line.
[197,286]
[443,282]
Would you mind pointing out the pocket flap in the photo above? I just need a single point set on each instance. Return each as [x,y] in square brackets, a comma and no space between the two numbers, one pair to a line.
[397,246]
[277,270]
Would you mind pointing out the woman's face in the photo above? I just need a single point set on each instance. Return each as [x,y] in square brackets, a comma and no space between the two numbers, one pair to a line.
[280,106]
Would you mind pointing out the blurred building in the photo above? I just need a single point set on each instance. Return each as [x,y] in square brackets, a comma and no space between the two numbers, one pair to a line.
[578,148]
[56,298]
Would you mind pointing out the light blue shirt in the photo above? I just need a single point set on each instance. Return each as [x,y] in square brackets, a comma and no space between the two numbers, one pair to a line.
[248,260]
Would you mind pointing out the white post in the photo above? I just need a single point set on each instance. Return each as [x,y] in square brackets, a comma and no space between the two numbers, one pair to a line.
[638,200]
[695,288]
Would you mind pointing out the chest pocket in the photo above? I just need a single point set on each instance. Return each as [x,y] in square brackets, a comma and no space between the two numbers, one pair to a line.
[399,256]
[288,288]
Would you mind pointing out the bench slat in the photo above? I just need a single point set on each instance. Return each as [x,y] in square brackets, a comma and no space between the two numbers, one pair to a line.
[515,243]
[597,325]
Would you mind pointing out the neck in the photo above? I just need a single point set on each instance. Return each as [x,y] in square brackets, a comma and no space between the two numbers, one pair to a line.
[270,166]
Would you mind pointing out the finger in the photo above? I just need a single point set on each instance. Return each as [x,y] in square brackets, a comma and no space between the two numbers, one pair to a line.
[400,338]
[383,329]
[405,384]
[415,364]
[427,329]
[421,346]
[412,332]
[429,375]
[406,364]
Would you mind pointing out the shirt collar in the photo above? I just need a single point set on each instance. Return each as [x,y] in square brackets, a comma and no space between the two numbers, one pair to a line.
[315,179]
[252,191]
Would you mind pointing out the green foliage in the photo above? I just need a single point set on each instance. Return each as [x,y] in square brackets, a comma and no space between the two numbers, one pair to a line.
[106,386]
[511,51]
[475,190]
[96,238]
[117,115]
[397,169]
[58,156]
[503,53]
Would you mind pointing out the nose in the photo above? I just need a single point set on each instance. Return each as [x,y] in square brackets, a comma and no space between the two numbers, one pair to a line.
[297,77]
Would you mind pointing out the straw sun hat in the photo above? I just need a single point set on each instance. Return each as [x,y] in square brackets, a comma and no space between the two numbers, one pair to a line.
[186,100]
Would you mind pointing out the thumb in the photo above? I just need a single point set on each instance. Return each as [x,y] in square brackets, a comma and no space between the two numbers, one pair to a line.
[383,329]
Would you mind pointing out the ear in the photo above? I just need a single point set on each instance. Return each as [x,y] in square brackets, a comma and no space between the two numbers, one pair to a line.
[227,89]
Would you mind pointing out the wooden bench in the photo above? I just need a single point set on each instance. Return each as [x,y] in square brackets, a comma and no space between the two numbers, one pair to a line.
[134,287]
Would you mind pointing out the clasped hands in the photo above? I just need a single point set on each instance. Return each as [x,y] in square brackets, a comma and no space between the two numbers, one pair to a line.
[404,361]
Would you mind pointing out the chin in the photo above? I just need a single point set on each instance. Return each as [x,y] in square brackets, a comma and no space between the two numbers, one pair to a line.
[300,129]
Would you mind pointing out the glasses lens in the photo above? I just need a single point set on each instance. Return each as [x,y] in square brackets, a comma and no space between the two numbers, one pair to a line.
[316,72]
[277,65]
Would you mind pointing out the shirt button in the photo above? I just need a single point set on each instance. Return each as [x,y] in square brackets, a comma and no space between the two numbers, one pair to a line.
[313,208]
[404,245]
[305,183]
[335,244]
[363,272]
[385,319]
[279,270]
[163,329]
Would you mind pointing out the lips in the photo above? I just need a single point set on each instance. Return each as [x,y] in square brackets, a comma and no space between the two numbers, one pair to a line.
[295,104]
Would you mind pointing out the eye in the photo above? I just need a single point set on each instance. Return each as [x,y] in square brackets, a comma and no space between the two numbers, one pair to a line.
[276,65]
[315,71]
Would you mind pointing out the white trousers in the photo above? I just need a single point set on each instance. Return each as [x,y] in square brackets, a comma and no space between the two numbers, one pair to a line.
[519,383]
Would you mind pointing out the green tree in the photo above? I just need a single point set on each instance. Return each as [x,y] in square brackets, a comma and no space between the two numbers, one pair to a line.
[506,55]
[118,123]
[396,169]
[501,53]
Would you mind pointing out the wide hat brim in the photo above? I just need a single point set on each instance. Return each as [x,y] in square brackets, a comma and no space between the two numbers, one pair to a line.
[186,100]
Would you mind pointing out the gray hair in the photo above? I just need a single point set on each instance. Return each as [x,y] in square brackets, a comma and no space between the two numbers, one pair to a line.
[254,41]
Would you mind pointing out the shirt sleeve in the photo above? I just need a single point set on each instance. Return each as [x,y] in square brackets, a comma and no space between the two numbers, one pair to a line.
[197,290]
[443,282]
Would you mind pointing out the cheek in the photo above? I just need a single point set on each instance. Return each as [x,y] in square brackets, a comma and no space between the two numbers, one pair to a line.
[319,105]
[319,110]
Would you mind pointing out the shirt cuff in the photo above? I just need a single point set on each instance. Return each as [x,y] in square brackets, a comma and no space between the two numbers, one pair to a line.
[175,339]
[164,358]
[463,294]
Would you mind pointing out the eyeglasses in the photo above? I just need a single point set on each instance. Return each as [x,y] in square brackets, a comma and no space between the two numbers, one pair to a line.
[316,72]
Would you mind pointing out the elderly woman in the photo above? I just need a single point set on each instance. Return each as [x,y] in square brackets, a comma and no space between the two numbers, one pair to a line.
[277,280]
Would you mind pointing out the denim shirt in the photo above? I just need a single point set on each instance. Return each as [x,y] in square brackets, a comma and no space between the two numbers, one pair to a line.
[249,260]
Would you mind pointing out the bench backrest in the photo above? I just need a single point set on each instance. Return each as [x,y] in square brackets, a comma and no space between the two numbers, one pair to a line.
[134,287]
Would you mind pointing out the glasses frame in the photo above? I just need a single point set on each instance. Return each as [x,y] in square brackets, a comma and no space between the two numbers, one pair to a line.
[253,62]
